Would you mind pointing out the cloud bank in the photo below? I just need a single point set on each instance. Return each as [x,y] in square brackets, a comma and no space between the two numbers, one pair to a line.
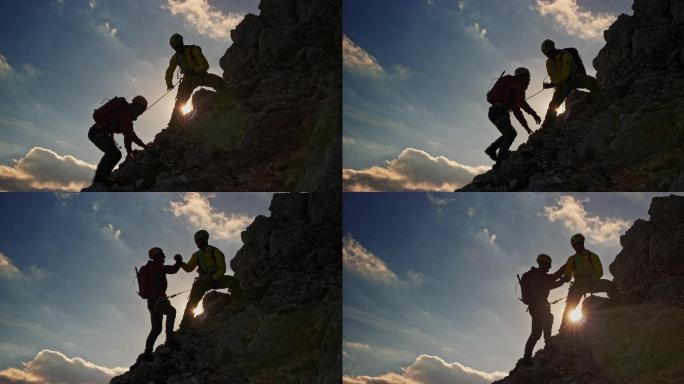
[412,170]
[428,369]
[357,59]
[205,19]
[362,261]
[575,20]
[54,367]
[571,213]
[196,208]
[43,169]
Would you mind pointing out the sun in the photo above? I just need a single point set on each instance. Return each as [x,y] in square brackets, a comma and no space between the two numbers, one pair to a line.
[187,108]
[199,309]
[576,314]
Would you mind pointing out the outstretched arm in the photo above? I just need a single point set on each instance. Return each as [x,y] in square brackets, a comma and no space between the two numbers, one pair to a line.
[519,116]
[171,269]
[190,265]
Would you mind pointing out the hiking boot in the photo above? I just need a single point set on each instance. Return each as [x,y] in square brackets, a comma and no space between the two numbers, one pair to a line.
[526,362]
[146,357]
[491,152]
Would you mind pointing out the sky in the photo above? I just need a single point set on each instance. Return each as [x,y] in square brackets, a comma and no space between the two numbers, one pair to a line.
[429,280]
[60,59]
[68,301]
[416,73]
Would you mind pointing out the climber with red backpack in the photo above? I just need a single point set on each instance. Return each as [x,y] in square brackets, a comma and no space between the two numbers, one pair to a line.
[536,284]
[152,287]
[508,95]
[115,116]
[567,73]
[211,265]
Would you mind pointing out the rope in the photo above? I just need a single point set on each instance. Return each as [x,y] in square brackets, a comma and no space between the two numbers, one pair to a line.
[161,97]
[176,294]
[542,90]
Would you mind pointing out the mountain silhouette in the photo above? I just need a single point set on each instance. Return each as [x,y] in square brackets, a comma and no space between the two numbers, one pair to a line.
[633,144]
[639,341]
[280,132]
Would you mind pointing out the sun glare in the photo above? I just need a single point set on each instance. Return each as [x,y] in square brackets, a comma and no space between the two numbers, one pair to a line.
[576,314]
[199,309]
[187,108]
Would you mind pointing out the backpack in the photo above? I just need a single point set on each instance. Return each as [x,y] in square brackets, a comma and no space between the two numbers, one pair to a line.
[101,114]
[203,268]
[144,282]
[579,66]
[495,95]
[526,288]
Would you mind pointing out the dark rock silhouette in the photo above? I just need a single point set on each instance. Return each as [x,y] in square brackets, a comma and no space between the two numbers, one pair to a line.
[281,132]
[640,341]
[288,329]
[635,143]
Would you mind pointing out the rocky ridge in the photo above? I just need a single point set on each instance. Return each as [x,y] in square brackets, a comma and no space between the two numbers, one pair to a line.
[281,130]
[639,342]
[635,143]
[288,328]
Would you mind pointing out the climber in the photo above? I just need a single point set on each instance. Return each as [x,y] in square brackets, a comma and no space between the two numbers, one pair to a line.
[585,267]
[193,65]
[535,286]
[566,71]
[211,264]
[152,284]
[115,116]
[508,94]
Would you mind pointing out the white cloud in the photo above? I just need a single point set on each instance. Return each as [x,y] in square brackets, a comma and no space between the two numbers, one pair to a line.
[197,209]
[54,367]
[5,67]
[355,345]
[112,231]
[413,170]
[490,236]
[570,211]
[479,30]
[107,29]
[403,72]
[362,261]
[461,5]
[575,20]
[92,3]
[347,140]
[428,369]
[437,200]
[357,59]
[31,70]
[43,169]
[205,19]
[6,266]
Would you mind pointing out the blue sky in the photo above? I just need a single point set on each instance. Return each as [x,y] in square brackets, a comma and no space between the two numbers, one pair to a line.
[416,73]
[59,59]
[434,274]
[66,266]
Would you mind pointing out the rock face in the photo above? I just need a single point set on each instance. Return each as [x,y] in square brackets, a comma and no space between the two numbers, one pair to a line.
[288,329]
[635,143]
[637,342]
[281,130]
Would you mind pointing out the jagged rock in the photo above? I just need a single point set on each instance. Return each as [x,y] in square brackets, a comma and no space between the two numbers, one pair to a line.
[288,327]
[634,144]
[638,341]
[281,128]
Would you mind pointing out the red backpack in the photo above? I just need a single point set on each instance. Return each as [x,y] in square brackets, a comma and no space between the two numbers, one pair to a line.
[101,114]
[144,282]
[496,94]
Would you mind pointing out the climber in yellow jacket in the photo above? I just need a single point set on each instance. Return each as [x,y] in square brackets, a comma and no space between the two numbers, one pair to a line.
[567,73]
[211,265]
[585,267]
[193,65]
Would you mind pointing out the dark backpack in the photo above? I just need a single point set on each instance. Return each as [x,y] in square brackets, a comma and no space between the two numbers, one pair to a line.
[101,114]
[527,288]
[578,60]
[144,282]
[496,94]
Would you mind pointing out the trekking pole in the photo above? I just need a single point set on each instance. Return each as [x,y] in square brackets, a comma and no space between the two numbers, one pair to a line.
[176,294]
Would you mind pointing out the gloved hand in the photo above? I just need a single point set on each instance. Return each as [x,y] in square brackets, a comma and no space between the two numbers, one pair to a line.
[169,87]
[178,258]
[548,85]
[529,131]
[537,119]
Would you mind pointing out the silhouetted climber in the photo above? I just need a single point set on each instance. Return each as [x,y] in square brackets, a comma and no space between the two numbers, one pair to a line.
[193,65]
[566,72]
[508,94]
[536,284]
[115,116]
[211,264]
[152,284]
[585,266]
